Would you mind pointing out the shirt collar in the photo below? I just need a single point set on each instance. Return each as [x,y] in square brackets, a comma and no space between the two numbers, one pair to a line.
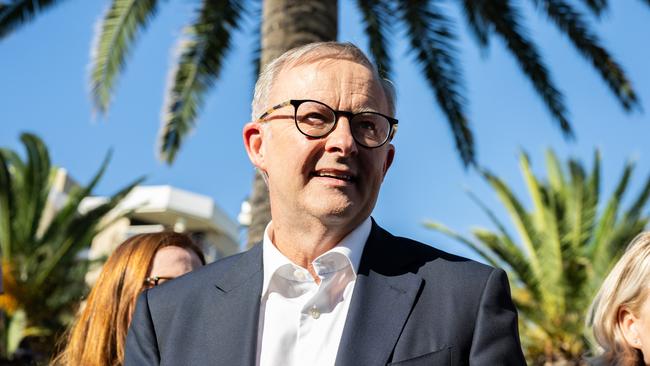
[351,246]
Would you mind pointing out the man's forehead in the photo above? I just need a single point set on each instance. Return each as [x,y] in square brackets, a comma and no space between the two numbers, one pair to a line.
[329,78]
[325,64]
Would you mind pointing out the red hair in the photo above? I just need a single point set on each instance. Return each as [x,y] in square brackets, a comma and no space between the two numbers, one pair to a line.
[98,336]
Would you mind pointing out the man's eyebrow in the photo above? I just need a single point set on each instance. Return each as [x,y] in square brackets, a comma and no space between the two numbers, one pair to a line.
[365,109]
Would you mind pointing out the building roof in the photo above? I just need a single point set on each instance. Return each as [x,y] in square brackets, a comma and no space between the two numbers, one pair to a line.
[174,207]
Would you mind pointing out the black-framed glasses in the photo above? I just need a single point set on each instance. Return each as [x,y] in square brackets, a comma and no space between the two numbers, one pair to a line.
[156,280]
[316,119]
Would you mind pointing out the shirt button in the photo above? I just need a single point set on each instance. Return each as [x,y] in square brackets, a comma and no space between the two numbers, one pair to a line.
[314,312]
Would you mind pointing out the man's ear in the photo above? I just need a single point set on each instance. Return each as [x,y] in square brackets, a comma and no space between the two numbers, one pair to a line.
[390,154]
[253,134]
[629,326]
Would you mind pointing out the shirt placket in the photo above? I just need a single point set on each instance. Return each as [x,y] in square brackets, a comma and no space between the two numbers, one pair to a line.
[311,314]
[314,309]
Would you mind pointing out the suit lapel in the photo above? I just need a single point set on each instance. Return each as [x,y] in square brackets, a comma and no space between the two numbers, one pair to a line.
[382,300]
[238,294]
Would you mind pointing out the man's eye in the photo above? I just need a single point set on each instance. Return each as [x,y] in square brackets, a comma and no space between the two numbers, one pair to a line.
[314,118]
[367,125]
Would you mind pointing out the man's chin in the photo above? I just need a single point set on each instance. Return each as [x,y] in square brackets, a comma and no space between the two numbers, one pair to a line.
[333,201]
[339,214]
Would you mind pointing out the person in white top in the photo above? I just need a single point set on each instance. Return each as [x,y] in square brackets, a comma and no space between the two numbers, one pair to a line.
[327,286]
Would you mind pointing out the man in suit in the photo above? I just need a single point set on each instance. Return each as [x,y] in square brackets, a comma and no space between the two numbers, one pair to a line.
[327,286]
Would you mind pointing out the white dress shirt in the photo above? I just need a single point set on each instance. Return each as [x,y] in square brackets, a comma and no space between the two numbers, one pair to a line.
[301,322]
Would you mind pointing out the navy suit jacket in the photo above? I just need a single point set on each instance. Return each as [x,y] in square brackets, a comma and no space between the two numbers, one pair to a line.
[412,305]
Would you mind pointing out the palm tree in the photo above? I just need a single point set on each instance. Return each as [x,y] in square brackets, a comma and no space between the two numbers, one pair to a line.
[15,13]
[43,267]
[430,33]
[564,249]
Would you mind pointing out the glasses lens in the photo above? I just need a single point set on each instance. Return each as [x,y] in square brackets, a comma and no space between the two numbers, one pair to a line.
[370,129]
[314,119]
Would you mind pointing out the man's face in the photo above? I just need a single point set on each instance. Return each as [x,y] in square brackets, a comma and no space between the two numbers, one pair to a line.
[330,178]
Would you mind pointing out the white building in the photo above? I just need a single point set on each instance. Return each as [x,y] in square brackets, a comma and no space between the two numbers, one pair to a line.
[153,209]
[157,208]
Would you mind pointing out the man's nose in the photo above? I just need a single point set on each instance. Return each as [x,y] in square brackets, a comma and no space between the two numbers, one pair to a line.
[340,139]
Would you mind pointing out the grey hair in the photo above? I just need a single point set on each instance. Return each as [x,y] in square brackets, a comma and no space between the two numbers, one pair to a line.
[309,53]
[626,286]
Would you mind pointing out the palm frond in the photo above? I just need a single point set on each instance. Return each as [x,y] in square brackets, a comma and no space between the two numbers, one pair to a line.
[376,18]
[476,23]
[29,188]
[527,232]
[19,12]
[597,7]
[199,64]
[582,203]
[488,256]
[601,247]
[257,44]
[545,220]
[12,197]
[79,234]
[594,180]
[507,24]
[65,215]
[571,23]
[36,186]
[14,160]
[511,253]
[433,41]
[579,220]
[114,38]
[631,222]
[6,209]
[556,177]
[581,206]
[608,252]
[633,213]
[592,187]
[534,190]
[523,300]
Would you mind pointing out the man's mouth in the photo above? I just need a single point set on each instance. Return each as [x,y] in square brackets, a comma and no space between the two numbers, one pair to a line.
[335,175]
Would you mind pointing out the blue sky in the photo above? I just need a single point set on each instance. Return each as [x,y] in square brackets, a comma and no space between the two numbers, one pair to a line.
[44,89]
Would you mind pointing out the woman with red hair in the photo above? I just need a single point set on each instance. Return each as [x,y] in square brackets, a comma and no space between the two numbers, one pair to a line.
[98,335]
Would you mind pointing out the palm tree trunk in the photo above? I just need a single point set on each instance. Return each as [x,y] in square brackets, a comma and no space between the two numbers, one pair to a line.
[287,24]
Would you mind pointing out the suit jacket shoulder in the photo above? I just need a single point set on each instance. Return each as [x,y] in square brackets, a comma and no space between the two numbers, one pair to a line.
[392,256]
[208,316]
[424,306]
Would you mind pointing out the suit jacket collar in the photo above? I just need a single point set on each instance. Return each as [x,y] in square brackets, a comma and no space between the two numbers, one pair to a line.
[383,297]
[238,296]
[248,267]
